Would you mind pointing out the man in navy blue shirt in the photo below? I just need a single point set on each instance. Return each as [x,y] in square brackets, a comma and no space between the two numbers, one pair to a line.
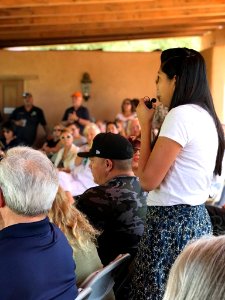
[36,259]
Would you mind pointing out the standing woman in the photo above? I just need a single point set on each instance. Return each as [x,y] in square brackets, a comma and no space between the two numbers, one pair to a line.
[178,171]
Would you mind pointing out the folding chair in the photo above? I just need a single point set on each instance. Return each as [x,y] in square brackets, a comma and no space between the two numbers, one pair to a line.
[84,293]
[103,280]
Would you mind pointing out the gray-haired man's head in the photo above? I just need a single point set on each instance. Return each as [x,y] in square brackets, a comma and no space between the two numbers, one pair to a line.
[28,181]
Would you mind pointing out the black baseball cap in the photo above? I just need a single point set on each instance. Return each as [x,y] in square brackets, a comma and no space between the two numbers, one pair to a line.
[109,145]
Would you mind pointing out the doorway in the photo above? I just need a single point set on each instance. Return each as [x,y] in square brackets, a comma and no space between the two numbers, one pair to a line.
[11,91]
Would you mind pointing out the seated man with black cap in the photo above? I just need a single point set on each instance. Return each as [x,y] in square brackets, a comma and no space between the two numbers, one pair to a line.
[117,207]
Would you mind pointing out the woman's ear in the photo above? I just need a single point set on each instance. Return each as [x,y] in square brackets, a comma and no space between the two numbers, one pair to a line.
[175,79]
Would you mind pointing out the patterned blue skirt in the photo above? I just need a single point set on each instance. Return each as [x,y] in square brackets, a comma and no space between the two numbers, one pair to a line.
[168,229]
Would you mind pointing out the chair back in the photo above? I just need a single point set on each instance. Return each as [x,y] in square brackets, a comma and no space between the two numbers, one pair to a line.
[103,280]
[84,293]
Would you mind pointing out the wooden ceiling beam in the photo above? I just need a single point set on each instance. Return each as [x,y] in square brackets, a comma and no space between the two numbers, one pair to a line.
[110,4]
[178,23]
[37,21]
[44,32]
[113,25]
[123,16]
[75,8]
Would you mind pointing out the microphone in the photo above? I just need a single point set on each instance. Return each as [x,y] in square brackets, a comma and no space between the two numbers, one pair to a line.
[149,102]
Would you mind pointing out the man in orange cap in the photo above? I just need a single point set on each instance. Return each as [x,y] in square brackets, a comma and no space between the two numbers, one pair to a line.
[76,113]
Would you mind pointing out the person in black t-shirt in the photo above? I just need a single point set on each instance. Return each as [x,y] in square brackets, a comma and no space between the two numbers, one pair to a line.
[27,118]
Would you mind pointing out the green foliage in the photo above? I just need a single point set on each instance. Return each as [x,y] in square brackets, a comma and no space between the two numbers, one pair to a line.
[126,46]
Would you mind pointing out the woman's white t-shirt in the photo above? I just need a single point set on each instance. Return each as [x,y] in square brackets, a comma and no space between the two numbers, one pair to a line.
[189,178]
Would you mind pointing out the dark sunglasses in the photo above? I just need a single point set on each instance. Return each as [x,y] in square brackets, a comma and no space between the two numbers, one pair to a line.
[66,137]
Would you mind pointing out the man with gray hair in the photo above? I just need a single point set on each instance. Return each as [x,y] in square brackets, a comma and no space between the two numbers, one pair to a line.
[36,259]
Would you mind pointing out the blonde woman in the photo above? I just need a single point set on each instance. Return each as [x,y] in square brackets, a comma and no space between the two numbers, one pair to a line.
[199,271]
[79,232]
[66,155]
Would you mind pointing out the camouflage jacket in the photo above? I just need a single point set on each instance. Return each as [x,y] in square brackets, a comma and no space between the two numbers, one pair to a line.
[118,209]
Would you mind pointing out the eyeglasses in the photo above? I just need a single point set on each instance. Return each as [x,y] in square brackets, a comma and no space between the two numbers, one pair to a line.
[127,103]
[66,137]
[57,129]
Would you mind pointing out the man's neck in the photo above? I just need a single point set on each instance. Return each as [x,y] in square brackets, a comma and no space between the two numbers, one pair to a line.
[76,107]
[10,218]
[28,107]
[119,173]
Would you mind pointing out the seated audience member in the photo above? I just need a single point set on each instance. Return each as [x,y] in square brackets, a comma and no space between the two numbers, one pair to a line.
[120,127]
[136,144]
[77,112]
[65,157]
[128,111]
[117,207]
[134,128]
[217,217]
[78,139]
[101,125]
[81,178]
[80,234]
[9,138]
[135,102]
[36,259]
[53,144]
[199,271]
[160,113]
[112,127]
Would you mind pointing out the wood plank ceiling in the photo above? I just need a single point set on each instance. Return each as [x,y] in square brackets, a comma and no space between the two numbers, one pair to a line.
[46,22]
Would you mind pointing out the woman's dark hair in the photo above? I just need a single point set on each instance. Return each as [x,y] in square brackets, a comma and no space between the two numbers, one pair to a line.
[192,87]
[127,100]
[111,122]
[9,125]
